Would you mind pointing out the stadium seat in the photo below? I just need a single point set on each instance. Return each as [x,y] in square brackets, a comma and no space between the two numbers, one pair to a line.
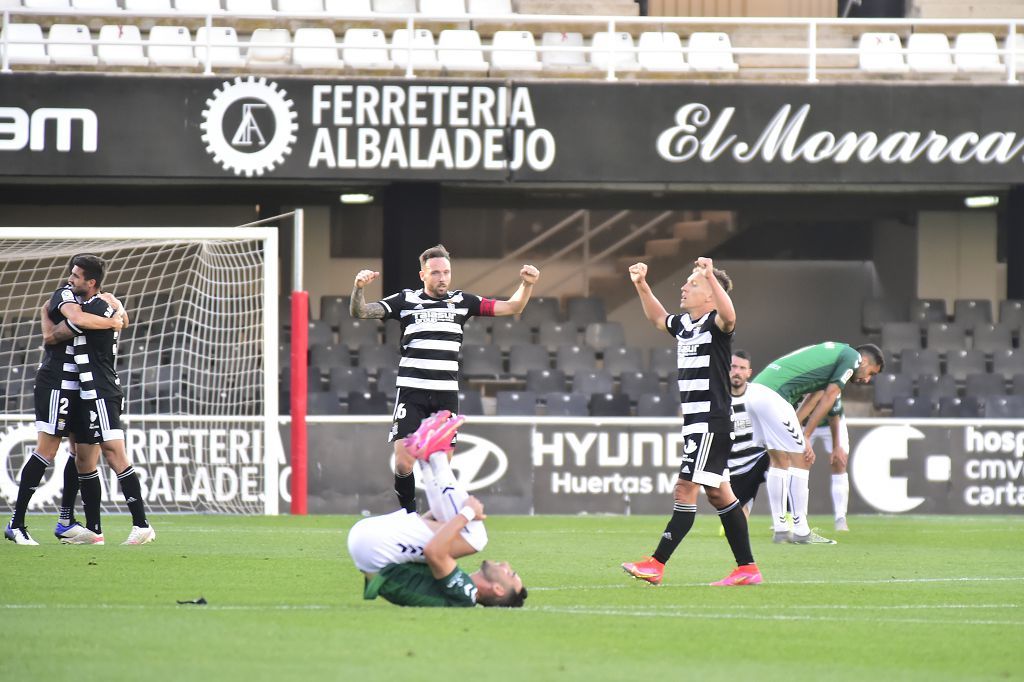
[300,6]
[664,362]
[355,333]
[143,6]
[355,8]
[972,311]
[443,8]
[392,333]
[1011,313]
[471,403]
[917,363]
[569,359]
[558,404]
[224,50]
[524,358]
[1004,407]
[25,44]
[474,334]
[561,59]
[977,53]
[516,404]
[945,337]
[345,379]
[545,381]
[991,338]
[424,55]
[96,5]
[373,357]
[47,4]
[615,50]
[711,51]
[899,336]
[366,48]
[394,6]
[198,6]
[121,46]
[323,404]
[961,408]
[69,44]
[514,51]
[315,48]
[171,46]
[460,50]
[489,7]
[623,360]
[583,310]
[332,308]
[661,52]
[910,407]
[329,355]
[636,384]
[10,4]
[603,336]
[367,403]
[961,363]
[387,381]
[269,47]
[540,309]
[315,379]
[249,6]
[933,387]
[609,405]
[481,362]
[881,53]
[929,53]
[1008,362]
[924,311]
[889,387]
[1017,384]
[877,311]
[591,381]
[319,332]
[508,333]
[657,405]
[554,334]
[984,385]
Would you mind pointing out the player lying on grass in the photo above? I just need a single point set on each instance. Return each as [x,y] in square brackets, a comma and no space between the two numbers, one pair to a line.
[409,559]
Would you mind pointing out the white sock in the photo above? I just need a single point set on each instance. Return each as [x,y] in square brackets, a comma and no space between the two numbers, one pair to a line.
[798,495]
[777,483]
[840,494]
[450,498]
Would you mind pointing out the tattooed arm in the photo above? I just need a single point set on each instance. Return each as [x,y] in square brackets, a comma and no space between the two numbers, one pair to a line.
[359,308]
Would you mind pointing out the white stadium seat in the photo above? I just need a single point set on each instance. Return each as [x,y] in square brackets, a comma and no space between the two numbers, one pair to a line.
[249,6]
[121,45]
[661,51]
[300,6]
[557,59]
[977,52]
[147,5]
[514,50]
[394,6]
[442,8]
[366,48]
[315,48]
[96,5]
[69,44]
[10,4]
[171,46]
[354,8]
[489,7]
[711,51]
[269,47]
[615,49]
[47,4]
[224,50]
[424,56]
[198,6]
[880,53]
[929,53]
[25,44]
[460,50]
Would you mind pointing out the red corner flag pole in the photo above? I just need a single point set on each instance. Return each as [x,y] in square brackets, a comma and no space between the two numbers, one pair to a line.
[299,348]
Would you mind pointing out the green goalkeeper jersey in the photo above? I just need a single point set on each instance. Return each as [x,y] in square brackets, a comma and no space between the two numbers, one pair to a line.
[413,584]
[810,369]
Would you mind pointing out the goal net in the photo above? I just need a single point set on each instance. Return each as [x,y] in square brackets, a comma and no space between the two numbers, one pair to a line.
[198,361]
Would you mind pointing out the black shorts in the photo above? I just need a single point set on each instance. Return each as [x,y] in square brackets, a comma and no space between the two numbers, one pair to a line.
[745,485]
[412,406]
[103,420]
[705,456]
[59,412]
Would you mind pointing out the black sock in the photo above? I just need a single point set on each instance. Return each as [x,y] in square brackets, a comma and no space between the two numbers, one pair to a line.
[405,488]
[132,491]
[734,521]
[678,526]
[70,493]
[31,475]
[91,494]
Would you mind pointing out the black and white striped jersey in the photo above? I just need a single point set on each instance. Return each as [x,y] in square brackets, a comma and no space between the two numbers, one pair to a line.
[703,355]
[58,369]
[432,335]
[96,356]
[745,452]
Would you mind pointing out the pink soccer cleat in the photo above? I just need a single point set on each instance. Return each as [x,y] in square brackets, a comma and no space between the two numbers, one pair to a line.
[434,435]
[743,575]
[649,569]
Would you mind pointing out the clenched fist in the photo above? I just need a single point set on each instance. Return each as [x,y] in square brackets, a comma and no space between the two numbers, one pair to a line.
[364,277]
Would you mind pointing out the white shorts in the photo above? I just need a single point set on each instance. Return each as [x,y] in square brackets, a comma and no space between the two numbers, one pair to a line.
[824,434]
[775,423]
[395,538]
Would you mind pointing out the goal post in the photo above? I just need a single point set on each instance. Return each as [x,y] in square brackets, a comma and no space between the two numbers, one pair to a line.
[198,362]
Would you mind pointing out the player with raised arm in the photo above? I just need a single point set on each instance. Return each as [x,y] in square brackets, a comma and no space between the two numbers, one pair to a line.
[432,320]
[410,560]
[57,408]
[704,340]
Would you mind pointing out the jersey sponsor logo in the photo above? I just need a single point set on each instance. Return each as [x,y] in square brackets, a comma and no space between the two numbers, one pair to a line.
[846,375]
[67,295]
[432,316]
[688,447]
[688,350]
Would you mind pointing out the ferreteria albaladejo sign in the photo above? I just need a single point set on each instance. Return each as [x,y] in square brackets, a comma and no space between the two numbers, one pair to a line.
[266,129]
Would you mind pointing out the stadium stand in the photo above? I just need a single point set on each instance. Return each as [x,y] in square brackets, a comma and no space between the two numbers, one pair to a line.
[961,363]
[889,387]
[571,359]
[1008,362]
[946,337]
[367,403]
[609,405]
[69,45]
[587,382]
[509,333]
[926,310]
[657,405]
[970,312]
[910,407]
[516,404]
[344,380]
[565,404]
[917,363]
[622,360]
[482,362]
[542,381]
[470,403]
[992,338]
[526,358]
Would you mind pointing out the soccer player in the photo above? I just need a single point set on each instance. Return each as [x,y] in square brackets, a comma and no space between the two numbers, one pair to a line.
[704,338]
[771,397]
[833,435]
[58,410]
[432,320]
[410,560]
[748,463]
[95,354]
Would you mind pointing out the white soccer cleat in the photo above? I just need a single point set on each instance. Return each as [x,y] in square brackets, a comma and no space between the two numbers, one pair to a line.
[140,536]
[19,535]
[812,538]
[85,537]
[841,524]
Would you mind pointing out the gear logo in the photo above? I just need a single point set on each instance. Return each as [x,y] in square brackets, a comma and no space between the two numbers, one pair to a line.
[249,107]
[16,444]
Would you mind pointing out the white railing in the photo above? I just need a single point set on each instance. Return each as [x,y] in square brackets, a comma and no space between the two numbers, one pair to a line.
[812,51]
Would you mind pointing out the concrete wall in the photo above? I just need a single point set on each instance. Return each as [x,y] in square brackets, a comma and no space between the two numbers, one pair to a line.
[956,257]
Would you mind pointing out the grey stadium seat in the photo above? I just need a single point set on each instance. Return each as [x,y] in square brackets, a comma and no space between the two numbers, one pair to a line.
[387,381]
[1008,362]
[935,387]
[946,337]
[470,403]
[917,363]
[636,384]
[587,382]
[345,379]
[984,385]
[542,381]
[663,361]
[965,362]
[325,403]
[572,358]
[355,333]
[481,362]
[1011,312]
[899,336]
[333,308]
[969,407]
[911,407]
[555,334]
[926,310]
[623,360]
[539,310]
[560,404]
[583,310]
[877,311]
[474,333]
[603,336]
[367,403]
[326,356]
[525,358]
[889,386]
[657,405]
[992,338]
[609,405]
[509,333]
[373,357]
[972,311]
[1004,407]
[516,404]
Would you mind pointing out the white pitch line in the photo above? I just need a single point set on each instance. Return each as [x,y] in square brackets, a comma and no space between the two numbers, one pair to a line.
[885,581]
[204,607]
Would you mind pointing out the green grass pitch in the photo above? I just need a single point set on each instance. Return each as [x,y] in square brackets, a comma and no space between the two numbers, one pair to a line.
[900,598]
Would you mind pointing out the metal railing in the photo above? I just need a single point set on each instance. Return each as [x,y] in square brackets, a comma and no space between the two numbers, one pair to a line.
[812,51]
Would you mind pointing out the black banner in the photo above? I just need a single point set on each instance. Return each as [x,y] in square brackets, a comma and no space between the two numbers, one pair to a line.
[108,126]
